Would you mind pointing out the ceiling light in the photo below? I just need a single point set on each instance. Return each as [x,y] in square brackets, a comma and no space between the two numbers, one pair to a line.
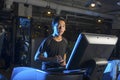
[99,20]
[48,11]
[93,4]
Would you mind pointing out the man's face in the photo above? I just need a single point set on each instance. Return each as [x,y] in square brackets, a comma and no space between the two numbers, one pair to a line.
[60,27]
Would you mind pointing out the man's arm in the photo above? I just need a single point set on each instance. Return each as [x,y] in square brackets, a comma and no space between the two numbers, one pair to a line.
[41,57]
[47,59]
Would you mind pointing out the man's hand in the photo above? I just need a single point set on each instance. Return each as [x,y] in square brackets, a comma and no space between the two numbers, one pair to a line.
[60,60]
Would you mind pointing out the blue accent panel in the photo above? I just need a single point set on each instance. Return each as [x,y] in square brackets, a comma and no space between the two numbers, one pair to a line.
[26,73]
[74,49]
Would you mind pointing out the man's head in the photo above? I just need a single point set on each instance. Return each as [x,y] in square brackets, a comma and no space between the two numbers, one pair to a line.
[58,25]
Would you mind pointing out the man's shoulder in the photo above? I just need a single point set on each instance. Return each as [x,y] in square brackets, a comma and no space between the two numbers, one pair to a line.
[48,39]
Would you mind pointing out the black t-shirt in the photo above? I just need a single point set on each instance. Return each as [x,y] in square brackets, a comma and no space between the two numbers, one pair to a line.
[53,48]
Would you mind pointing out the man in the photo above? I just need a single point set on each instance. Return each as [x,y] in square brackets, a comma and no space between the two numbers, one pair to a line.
[52,51]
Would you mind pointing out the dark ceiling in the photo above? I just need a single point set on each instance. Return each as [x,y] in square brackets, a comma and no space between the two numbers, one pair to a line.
[106,6]
[76,12]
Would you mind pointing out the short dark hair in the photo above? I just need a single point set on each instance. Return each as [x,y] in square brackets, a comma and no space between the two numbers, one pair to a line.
[56,20]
